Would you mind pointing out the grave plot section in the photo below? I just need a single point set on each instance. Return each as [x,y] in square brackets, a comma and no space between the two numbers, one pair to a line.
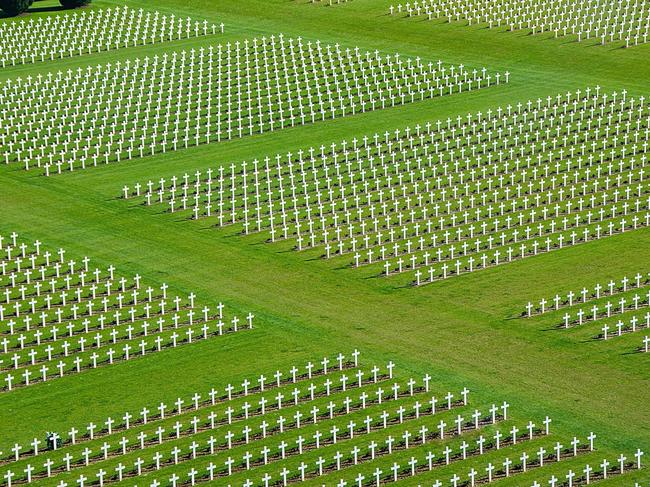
[607,469]
[92,31]
[444,199]
[103,114]
[595,21]
[609,309]
[59,316]
[329,422]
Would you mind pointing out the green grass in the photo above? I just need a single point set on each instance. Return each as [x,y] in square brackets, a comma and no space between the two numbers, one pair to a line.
[464,331]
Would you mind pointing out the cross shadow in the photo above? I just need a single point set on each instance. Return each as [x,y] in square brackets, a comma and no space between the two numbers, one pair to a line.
[315,259]
[591,340]
[635,352]
[550,328]
[258,243]
[176,220]
[517,317]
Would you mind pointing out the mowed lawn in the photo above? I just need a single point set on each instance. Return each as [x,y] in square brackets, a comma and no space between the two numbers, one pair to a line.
[465,331]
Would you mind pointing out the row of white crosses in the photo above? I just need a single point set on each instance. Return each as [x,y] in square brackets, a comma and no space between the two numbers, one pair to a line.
[416,465]
[357,456]
[601,20]
[59,316]
[197,450]
[590,474]
[376,450]
[320,440]
[490,188]
[567,227]
[322,466]
[395,472]
[492,472]
[606,309]
[92,31]
[238,179]
[203,446]
[249,460]
[333,370]
[639,280]
[630,324]
[626,299]
[107,113]
[622,305]
[197,427]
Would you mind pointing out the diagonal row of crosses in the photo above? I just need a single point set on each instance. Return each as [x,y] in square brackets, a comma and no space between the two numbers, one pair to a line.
[602,20]
[320,424]
[135,108]
[59,316]
[93,31]
[445,199]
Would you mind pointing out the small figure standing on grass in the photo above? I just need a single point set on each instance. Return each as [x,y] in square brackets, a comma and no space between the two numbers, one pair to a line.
[52,440]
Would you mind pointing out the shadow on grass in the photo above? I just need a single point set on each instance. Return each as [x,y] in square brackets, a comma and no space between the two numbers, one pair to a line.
[258,243]
[552,328]
[514,317]
[315,259]
[593,340]
[34,10]
[634,352]
[54,8]
[180,219]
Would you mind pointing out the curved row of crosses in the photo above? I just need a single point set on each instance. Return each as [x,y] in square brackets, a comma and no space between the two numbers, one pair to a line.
[98,30]
[59,316]
[445,199]
[617,308]
[332,421]
[124,110]
[604,21]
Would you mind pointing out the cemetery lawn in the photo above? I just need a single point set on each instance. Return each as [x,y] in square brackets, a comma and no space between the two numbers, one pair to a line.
[466,331]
